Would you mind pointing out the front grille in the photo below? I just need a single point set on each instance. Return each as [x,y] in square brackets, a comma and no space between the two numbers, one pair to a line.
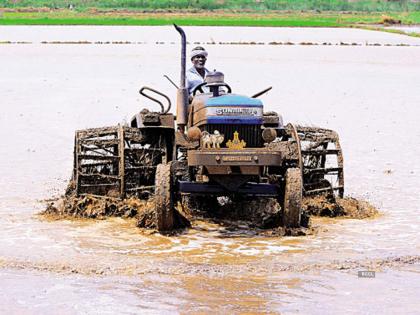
[251,134]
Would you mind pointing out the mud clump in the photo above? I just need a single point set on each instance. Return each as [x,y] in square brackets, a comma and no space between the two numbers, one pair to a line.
[357,209]
[147,217]
[340,207]
[321,205]
[95,207]
[102,207]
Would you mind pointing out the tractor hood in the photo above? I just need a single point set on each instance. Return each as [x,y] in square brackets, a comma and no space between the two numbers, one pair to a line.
[230,109]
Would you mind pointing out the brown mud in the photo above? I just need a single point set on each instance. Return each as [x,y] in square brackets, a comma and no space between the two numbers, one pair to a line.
[95,207]
[348,207]
[263,215]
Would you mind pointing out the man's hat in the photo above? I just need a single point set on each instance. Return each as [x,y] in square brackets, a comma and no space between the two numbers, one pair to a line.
[198,51]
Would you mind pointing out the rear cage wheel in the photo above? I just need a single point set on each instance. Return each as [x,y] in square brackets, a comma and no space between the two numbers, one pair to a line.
[321,159]
[119,161]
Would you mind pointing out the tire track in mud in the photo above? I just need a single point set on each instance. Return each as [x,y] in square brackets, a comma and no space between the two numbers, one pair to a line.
[209,269]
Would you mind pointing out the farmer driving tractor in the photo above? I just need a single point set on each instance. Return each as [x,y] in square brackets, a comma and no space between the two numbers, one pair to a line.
[197,73]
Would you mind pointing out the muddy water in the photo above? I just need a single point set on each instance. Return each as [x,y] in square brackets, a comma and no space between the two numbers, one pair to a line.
[369,94]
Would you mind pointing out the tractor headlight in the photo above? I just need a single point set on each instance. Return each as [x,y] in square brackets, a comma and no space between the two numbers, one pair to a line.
[269,135]
[194,133]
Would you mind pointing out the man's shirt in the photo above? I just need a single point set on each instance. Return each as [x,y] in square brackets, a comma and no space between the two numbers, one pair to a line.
[194,79]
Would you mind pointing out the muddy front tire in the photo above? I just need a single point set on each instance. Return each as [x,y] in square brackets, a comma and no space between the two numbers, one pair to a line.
[164,197]
[292,204]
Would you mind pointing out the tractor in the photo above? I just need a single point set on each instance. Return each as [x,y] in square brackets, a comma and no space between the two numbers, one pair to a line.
[219,144]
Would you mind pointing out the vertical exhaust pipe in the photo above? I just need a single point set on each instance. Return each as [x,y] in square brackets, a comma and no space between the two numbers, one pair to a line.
[182,93]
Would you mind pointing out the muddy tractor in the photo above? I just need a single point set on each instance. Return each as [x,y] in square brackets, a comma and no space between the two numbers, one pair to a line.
[219,144]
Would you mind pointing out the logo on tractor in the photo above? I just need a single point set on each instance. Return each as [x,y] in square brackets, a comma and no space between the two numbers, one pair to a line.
[237,112]
[236,144]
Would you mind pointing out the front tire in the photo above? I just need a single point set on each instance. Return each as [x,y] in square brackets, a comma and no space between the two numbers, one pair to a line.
[292,204]
[164,197]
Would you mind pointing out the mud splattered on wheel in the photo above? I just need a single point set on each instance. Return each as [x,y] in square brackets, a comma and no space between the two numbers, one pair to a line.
[292,205]
[322,161]
[118,161]
[164,197]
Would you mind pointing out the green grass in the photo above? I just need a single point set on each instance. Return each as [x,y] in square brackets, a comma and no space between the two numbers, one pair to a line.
[240,20]
[328,5]
[155,22]
[67,17]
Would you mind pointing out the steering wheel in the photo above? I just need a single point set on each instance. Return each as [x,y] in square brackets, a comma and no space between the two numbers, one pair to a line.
[199,88]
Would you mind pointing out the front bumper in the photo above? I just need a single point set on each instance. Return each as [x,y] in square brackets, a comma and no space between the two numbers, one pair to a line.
[227,157]
[226,162]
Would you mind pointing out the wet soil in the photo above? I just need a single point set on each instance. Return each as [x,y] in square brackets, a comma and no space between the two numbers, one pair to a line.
[261,215]
[95,207]
[333,207]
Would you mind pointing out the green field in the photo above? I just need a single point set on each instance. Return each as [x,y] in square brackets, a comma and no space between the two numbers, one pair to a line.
[253,5]
[276,13]
[328,19]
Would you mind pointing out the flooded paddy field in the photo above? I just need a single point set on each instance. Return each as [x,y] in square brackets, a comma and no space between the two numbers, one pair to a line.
[368,94]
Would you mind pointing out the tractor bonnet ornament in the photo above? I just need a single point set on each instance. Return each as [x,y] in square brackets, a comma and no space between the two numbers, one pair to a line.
[236,144]
[212,141]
